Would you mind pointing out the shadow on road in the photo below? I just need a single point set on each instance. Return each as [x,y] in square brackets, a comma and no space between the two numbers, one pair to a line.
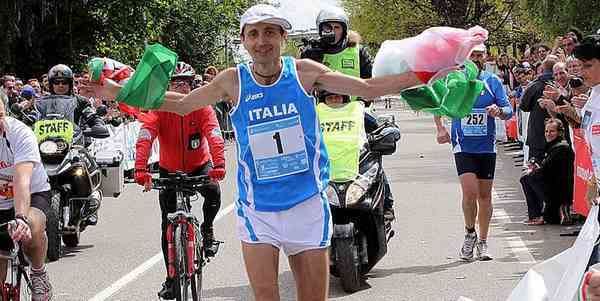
[71,252]
[418,269]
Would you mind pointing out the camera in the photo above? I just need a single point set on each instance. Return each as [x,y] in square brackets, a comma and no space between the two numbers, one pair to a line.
[576,82]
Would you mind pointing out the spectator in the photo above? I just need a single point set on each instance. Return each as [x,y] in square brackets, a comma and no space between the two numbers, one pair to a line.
[35,84]
[561,77]
[45,85]
[542,52]
[529,103]
[10,89]
[504,71]
[18,85]
[210,73]
[548,184]
[568,44]
[574,66]
[575,33]
[26,110]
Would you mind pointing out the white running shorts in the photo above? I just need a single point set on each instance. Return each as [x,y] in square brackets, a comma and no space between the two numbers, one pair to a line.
[306,226]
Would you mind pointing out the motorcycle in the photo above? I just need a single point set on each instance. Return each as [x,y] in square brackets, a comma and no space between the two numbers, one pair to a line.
[360,232]
[74,176]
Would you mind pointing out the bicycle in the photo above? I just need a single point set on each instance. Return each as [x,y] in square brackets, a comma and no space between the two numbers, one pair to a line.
[185,252]
[17,264]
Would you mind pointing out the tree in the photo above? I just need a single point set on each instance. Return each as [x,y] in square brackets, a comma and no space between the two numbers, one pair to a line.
[41,33]
[555,17]
[379,20]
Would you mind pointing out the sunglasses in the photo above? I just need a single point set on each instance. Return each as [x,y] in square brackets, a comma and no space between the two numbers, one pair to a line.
[60,82]
[178,83]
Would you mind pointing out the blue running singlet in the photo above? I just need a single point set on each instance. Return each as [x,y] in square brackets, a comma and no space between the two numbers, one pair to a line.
[282,160]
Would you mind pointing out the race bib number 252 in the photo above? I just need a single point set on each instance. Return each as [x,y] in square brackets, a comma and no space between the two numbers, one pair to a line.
[475,124]
[278,148]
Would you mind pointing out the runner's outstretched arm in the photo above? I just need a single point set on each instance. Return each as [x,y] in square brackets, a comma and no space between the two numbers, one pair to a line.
[322,77]
[178,103]
[203,96]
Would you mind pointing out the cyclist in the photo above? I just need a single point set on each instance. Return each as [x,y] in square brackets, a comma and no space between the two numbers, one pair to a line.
[282,161]
[24,198]
[72,107]
[474,146]
[192,144]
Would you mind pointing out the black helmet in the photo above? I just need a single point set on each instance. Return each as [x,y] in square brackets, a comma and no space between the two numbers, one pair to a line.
[333,14]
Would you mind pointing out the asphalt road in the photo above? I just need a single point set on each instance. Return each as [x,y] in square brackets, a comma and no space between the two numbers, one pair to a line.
[120,259]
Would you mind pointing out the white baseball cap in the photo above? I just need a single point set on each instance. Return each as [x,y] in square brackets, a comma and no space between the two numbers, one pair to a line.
[266,14]
[480,47]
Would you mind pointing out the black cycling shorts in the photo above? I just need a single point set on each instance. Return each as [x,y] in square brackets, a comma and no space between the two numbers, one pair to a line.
[482,165]
[39,200]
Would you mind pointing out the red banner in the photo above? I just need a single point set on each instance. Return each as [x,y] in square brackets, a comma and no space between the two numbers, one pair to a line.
[583,172]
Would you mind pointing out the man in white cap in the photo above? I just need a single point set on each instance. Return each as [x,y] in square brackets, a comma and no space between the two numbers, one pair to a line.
[474,145]
[282,161]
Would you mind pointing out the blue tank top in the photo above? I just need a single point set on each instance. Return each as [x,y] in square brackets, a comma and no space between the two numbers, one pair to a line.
[282,160]
[476,133]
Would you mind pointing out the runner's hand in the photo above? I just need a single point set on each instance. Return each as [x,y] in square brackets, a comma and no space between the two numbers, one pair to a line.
[19,231]
[143,178]
[493,110]
[108,89]
[217,174]
[443,136]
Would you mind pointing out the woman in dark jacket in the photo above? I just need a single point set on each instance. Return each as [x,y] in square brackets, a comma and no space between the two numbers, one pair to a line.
[548,185]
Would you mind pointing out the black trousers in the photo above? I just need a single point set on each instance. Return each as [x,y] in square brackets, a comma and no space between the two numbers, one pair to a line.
[534,194]
[212,203]
[539,203]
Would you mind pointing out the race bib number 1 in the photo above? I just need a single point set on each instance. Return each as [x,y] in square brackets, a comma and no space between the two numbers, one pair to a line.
[278,148]
[475,124]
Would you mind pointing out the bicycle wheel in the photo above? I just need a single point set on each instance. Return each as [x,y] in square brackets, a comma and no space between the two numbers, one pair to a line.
[183,282]
[196,282]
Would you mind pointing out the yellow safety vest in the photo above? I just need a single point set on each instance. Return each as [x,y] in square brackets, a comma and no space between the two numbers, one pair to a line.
[344,134]
[346,62]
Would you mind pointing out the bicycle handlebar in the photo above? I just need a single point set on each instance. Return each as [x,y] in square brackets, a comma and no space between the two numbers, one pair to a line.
[180,181]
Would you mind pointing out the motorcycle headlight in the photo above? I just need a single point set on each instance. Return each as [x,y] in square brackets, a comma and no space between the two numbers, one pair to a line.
[332,196]
[78,172]
[358,188]
[48,148]
[354,193]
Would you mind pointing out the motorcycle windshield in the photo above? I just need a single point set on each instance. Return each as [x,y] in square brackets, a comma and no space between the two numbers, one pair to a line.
[54,128]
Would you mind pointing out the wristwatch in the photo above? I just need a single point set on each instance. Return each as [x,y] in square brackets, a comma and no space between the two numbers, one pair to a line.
[23,218]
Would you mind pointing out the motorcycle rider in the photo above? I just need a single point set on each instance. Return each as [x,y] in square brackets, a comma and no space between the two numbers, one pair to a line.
[337,47]
[24,199]
[73,108]
[192,144]
[340,49]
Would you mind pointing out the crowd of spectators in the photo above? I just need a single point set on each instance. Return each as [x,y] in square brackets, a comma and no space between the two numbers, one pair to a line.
[546,88]
[23,95]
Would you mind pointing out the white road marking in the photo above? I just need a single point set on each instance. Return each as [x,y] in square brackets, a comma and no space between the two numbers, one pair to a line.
[515,243]
[142,268]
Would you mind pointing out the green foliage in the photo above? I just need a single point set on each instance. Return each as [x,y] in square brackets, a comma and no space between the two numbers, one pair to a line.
[380,20]
[41,33]
[555,17]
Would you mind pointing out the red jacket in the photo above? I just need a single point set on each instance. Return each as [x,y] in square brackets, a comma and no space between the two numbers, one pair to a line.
[184,140]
